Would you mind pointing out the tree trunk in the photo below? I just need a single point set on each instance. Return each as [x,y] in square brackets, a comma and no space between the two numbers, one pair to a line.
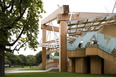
[2,61]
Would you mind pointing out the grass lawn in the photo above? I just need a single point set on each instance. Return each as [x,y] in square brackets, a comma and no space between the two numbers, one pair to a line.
[32,68]
[54,74]
[11,68]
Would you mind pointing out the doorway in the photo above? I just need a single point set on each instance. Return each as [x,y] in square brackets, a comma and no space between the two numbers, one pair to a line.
[102,66]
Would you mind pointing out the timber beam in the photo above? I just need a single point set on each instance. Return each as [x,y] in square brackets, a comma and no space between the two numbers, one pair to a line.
[49,28]
[91,15]
[62,10]
[78,16]
[61,17]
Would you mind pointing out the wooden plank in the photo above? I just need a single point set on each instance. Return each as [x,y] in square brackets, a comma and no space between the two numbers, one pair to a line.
[76,53]
[91,15]
[79,16]
[51,41]
[81,27]
[62,10]
[49,28]
[91,51]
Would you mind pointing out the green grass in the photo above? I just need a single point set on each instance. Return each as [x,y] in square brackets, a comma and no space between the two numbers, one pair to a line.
[32,68]
[25,68]
[54,74]
[11,68]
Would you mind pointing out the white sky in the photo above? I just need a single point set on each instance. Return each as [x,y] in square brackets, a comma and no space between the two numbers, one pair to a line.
[103,6]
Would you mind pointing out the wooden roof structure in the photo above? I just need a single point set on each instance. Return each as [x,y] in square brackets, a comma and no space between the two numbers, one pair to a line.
[80,27]
[80,23]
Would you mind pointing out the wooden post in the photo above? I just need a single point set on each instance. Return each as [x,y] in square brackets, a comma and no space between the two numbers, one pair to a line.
[63,47]
[43,49]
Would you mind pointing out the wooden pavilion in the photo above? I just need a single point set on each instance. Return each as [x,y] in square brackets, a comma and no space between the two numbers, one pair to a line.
[91,59]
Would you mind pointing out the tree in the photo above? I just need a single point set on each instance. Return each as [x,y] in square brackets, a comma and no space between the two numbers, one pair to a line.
[18,60]
[31,60]
[7,61]
[39,57]
[18,18]
[24,61]
[14,59]
[11,57]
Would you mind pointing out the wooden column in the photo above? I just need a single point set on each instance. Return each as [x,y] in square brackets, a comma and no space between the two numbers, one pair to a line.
[63,47]
[79,65]
[43,49]
[95,65]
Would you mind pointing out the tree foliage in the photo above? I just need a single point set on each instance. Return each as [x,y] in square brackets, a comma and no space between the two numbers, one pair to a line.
[39,57]
[13,59]
[19,18]
[24,60]
[31,60]
[7,61]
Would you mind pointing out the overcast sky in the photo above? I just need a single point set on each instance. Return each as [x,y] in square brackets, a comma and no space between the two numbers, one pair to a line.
[103,6]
